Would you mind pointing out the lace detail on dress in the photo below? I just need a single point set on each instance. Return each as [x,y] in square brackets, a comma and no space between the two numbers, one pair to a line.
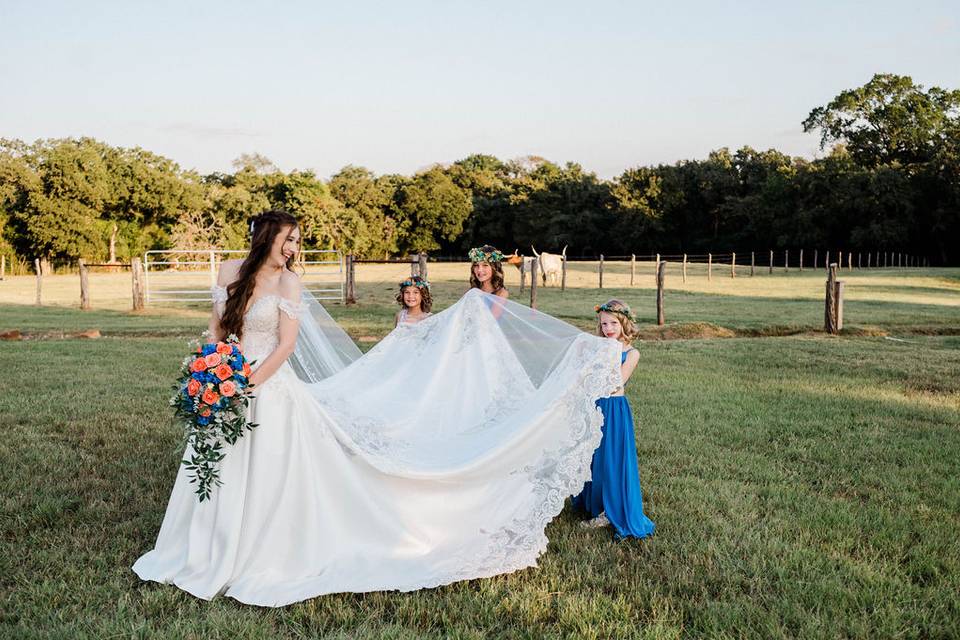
[292,309]
[557,474]
[218,294]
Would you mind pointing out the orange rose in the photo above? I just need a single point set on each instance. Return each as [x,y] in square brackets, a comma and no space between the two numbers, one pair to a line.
[198,365]
[228,388]
[246,369]
[224,349]
[204,411]
[223,371]
[210,396]
[193,387]
[212,359]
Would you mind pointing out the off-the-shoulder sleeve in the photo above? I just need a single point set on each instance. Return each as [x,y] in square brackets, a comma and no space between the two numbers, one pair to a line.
[219,296]
[292,309]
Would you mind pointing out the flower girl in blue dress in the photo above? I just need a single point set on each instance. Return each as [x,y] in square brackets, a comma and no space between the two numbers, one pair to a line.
[612,496]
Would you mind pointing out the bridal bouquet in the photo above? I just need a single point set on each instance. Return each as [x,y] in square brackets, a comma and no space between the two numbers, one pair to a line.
[210,403]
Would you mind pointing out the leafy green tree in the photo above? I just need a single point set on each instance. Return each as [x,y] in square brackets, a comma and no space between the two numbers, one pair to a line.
[433,209]
[888,120]
[368,204]
[491,188]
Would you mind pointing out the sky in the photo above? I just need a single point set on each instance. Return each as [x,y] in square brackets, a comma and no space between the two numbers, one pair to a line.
[399,86]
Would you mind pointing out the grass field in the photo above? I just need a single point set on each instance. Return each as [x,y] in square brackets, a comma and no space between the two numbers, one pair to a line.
[803,485]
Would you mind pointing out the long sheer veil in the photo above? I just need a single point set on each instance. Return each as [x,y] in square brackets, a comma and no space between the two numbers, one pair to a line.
[323,347]
[457,386]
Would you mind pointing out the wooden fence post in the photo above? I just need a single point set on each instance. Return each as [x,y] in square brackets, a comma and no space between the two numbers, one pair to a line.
[523,273]
[36,266]
[351,297]
[600,271]
[838,303]
[533,283]
[830,303]
[869,255]
[801,260]
[633,267]
[753,263]
[839,260]
[136,271]
[684,268]
[771,262]
[709,266]
[661,267]
[657,264]
[733,264]
[3,267]
[786,260]
[814,259]
[423,265]
[84,286]
[563,270]
[826,262]
[849,261]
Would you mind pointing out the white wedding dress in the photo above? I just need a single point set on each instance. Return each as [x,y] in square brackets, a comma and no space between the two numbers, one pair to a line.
[440,455]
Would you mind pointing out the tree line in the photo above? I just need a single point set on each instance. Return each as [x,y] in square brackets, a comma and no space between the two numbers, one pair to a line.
[889,179]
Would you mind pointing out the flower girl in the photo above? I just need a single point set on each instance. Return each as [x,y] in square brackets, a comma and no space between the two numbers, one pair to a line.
[415,301]
[486,270]
[613,496]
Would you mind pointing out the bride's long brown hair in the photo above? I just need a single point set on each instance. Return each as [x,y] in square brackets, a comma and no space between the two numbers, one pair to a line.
[265,228]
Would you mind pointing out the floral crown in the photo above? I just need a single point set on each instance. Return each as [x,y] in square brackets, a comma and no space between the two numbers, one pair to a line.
[419,284]
[625,312]
[479,255]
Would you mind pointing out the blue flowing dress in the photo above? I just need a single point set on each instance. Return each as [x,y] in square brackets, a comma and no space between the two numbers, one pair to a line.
[615,485]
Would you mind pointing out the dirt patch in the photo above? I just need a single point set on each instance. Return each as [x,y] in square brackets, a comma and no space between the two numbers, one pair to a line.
[930,331]
[775,331]
[686,331]
[866,331]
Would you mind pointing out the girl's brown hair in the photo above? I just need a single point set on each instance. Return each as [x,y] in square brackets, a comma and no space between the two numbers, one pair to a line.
[426,300]
[265,228]
[621,311]
[496,279]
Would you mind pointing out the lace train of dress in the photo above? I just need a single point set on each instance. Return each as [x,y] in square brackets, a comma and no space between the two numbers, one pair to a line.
[366,481]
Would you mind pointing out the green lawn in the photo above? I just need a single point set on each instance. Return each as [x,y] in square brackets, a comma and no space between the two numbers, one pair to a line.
[802,486]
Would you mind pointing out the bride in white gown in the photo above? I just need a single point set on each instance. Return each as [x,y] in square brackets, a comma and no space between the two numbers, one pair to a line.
[440,455]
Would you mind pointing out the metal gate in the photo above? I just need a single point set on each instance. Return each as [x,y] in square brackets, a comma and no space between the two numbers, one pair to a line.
[185,275]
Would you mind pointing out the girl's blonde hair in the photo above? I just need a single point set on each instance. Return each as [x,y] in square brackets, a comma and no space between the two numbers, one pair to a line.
[426,300]
[621,311]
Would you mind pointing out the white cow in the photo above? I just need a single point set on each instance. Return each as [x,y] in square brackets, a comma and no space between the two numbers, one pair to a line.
[551,265]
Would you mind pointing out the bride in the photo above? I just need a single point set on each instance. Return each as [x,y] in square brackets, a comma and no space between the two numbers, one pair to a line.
[440,455]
